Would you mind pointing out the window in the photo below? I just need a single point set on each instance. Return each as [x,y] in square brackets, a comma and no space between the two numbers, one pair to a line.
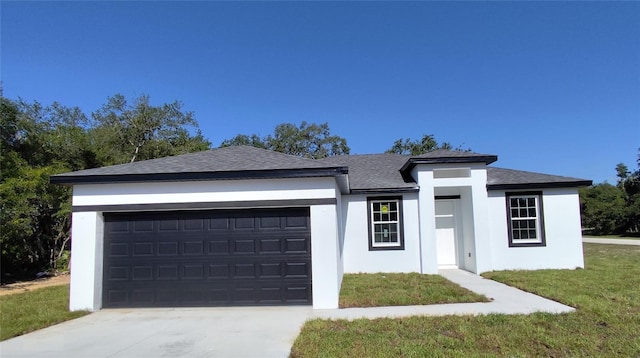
[524,213]
[385,223]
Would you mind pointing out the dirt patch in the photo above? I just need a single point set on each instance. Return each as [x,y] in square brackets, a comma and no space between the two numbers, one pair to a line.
[24,286]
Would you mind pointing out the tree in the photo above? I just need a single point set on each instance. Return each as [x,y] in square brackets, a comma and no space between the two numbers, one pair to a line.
[126,132]
[427,144]
[242,139]
[308,140]
[39,141]
[629,183]
[35,217]
[55,134]
[603,209]
[9,138]
[609,209]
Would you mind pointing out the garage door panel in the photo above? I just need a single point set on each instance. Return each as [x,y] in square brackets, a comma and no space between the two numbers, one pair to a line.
[270,266]
[193,247]
[143,249]
[167,272]
[142,273]
[168,248]
[247,257]
[198,295]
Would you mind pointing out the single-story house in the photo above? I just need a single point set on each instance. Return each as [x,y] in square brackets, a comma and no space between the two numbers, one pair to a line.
[248,226]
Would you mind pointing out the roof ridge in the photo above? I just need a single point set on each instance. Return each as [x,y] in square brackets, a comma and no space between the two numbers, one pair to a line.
[366,155]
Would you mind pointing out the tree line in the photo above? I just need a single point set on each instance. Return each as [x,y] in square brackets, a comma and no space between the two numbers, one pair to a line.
[613,209]
[37,141]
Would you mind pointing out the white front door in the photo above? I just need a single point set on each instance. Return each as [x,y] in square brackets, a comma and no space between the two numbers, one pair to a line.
[446,233]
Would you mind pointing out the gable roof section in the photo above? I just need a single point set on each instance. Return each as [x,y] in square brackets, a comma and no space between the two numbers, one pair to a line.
[501,179]
[238,162]
[443,156]
[372,173]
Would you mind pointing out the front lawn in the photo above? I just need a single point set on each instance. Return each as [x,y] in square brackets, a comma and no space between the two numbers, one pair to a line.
[606,324]
[398,289]
[25,312]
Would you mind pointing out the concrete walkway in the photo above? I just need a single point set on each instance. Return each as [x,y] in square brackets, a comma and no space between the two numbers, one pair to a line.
[595,240]
[505,300]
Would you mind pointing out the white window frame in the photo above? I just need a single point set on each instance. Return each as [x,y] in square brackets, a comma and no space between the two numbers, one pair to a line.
[524,218]
[398,243]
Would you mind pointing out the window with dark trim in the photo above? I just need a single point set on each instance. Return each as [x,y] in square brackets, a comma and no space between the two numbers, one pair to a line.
[524,219]
[385,223]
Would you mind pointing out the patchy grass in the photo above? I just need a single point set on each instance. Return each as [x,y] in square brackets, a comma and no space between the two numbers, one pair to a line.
[399,289]
[25,312]
[606,324]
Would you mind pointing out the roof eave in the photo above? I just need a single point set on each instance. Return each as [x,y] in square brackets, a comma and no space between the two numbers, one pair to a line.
[412,162]
[520,186]
[197,176]
[385,191]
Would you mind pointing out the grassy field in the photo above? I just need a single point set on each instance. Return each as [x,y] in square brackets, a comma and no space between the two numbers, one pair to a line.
[395,289]
[25,312]
[606,324]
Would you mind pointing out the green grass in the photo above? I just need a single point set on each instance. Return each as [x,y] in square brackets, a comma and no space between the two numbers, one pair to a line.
[25,312]
[397,289]
[606,324]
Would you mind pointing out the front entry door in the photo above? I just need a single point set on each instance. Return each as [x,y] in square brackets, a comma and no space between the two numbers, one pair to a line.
[446,234]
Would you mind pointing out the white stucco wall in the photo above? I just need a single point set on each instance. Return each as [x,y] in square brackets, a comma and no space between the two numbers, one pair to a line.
[325,252]
[203,191]
[339,239]
[562,227]
[87,227]
[87,231]
[358,258]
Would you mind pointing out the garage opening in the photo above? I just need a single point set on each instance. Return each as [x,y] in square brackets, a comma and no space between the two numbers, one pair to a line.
[207,258]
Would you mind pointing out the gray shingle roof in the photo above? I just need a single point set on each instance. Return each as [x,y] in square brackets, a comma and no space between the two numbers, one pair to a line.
[368,172]
[500,178]
[222,160]
[376,172]
[373,171]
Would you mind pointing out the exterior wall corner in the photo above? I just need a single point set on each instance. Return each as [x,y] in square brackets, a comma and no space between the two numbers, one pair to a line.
[87,234]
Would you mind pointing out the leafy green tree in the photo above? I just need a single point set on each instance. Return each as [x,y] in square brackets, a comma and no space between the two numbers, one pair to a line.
[309,140]
[39,141]
[35,220]
[242,139]
[603,209]
[36,142]
[126,131]
[55,134]
[629,183]
[9,138]
[427,143]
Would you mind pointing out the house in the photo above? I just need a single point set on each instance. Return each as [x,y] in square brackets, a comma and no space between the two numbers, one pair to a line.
[247,226]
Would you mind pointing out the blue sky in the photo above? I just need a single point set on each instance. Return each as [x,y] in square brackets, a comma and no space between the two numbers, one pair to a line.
[551,87]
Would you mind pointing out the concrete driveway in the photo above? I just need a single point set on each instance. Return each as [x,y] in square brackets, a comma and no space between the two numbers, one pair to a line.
[184,332]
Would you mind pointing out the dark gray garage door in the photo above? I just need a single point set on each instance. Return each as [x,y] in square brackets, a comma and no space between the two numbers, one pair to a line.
[210,258]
